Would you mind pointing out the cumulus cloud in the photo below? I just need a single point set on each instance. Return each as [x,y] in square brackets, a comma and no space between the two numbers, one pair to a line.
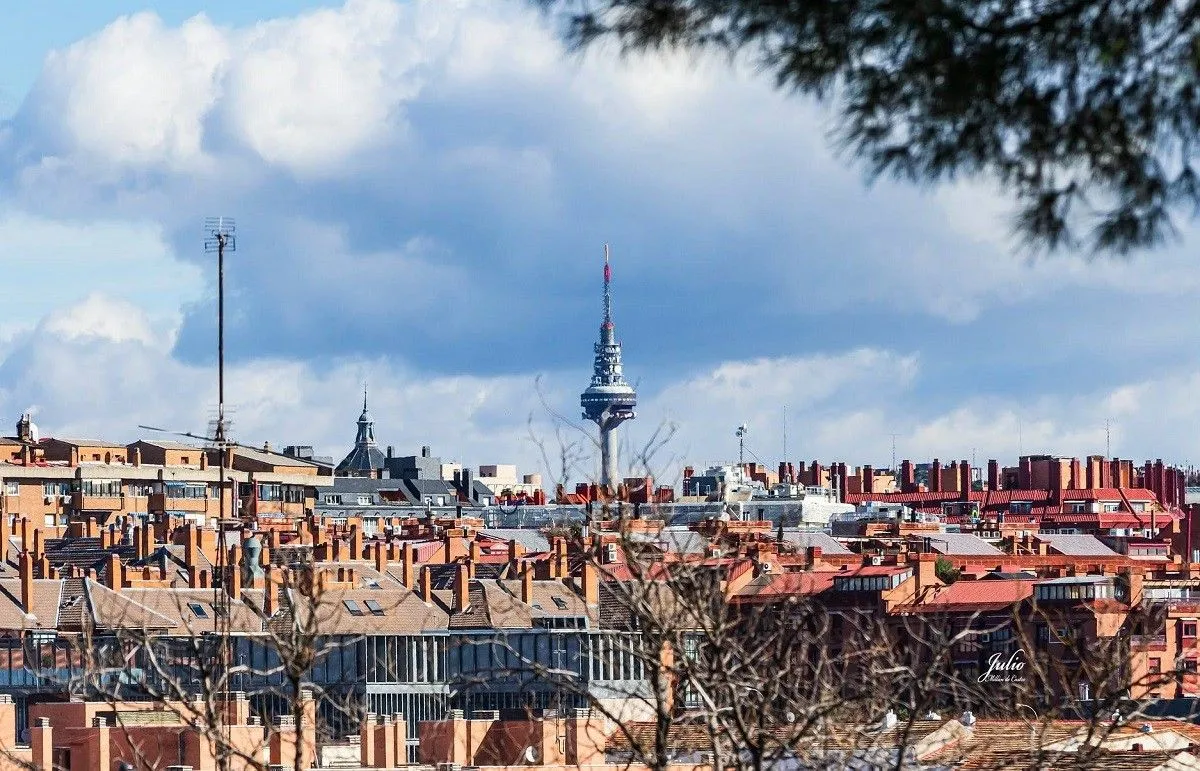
[422,190]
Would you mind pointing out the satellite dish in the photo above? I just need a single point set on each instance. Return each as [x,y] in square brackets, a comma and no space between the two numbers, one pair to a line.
[789,716]
[531,756]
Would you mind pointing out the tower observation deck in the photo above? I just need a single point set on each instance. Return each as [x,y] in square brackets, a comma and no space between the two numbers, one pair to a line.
[609,400]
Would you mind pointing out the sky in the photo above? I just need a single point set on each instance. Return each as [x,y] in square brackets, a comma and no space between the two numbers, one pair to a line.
[423,189]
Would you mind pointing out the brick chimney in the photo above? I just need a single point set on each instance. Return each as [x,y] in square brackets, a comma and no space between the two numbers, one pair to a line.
[908,477]
[426,584]
[408,562]
[993,474]
[591,584]
[116,573]
[25,566]
[935,476]
[964,479]
[527,585]
[380,558]
[356,543]
[462,588]
[868,479]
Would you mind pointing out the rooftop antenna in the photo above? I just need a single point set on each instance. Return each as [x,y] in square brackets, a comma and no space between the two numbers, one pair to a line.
[742,430]
[894,451]
[1108,437]
[219,237]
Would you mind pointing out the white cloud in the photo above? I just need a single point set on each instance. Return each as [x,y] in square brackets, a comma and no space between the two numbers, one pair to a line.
[136,93]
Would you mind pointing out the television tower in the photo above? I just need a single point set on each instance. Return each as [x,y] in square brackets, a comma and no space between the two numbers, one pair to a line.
[609,400]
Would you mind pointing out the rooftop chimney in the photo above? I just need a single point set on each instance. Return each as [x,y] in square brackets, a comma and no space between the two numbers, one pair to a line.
[462,586]
[426,585]
[25,565]
[408,562]
[527,585]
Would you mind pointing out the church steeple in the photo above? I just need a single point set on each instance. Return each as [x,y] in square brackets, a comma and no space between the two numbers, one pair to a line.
[366,459]
[366,426]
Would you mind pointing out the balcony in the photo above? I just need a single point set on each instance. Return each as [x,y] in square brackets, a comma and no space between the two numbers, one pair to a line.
[1148,642]
[162,502]
[82,502]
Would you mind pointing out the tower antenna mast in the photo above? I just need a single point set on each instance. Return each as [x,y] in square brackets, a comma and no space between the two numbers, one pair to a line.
[609,400]
[220,237]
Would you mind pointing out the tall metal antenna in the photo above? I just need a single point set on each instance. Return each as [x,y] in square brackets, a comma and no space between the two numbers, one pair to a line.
[742,430]
[894,452]
[219,237]
[1108,437]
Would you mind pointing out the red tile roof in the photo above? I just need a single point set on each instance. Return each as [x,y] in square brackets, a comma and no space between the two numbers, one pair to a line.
[974,596]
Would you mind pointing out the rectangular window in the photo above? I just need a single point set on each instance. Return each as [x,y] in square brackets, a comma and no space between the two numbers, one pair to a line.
[12,487]
[374,606]
[1155,665]
[187,490]
[198,610]
[352,606]
[101,488]
[56,488]
[270,492]
[1189,629]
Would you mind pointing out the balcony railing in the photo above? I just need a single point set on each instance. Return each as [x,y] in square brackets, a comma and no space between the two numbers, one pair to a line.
[1148,641]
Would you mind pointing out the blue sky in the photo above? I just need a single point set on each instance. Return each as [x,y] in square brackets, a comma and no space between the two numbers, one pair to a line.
[423,190]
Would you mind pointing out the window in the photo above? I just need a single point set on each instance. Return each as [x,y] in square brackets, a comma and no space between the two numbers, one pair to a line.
[49,520]
[12,487]
[364,500]
[56,488]
[198,610]
[1111,506]
[270,492]
[1155,665]
[1189,629]
[1189,665]
[140,489]
[185,460]
[560,603]
[352,606]
[101,488]
[293,494]
[374,606]
[187,490]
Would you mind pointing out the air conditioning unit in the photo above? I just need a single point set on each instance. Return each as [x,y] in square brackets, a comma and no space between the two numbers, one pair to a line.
[66,498]
[766,567]
[877,561]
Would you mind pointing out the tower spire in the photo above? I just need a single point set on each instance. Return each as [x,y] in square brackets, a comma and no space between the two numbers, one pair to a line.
[364,396]
[607,292]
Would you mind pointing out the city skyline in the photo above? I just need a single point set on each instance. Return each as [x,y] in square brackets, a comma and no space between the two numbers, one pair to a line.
[757,274]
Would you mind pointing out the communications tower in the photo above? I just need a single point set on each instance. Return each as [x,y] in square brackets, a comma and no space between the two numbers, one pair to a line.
[609,400]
